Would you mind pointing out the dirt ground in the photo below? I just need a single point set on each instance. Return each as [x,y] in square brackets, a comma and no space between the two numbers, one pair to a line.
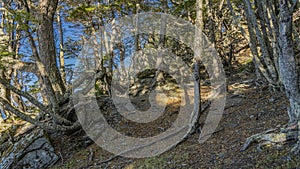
[251,108]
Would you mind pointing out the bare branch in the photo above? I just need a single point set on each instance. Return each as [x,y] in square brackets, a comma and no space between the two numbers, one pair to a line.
[56,117]
[46,126]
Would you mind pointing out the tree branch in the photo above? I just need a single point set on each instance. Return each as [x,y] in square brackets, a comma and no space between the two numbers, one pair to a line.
[43,125]
[56,117]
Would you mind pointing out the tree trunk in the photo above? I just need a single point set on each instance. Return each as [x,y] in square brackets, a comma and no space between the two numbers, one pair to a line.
[211,22]
[136,38]
[198,51]
[7,40]
[287,61]
[45,57]
[259,68]
[271,73]
[159,76]
[47,54]
[61,48]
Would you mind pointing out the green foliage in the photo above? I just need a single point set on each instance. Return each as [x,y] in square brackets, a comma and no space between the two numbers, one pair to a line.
[4,53]
[187,5]
[83,9]
[21,18]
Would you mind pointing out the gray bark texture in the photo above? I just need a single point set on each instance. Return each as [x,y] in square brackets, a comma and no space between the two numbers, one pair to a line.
[287,61]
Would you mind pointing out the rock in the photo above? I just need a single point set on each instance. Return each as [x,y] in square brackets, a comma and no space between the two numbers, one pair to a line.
[31,151]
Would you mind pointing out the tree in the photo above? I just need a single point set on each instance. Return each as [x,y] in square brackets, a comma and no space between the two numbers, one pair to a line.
[10,44]
[44,55]
[289,72]
[281,65]
[37,23]
[198,51]
[260,39]
[278,62]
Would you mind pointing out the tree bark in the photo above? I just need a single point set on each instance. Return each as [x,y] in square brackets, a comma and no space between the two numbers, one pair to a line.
[259,68]
[198,50]
[61,48]
[253,26]
[47,54]
[211,22]
[287,61]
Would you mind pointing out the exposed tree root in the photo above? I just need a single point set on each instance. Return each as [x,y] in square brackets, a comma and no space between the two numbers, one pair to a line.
[275,137]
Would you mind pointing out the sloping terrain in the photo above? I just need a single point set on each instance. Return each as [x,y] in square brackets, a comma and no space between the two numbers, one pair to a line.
[251,108]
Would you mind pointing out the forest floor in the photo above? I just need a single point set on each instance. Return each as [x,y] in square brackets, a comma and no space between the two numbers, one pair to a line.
[251,108]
